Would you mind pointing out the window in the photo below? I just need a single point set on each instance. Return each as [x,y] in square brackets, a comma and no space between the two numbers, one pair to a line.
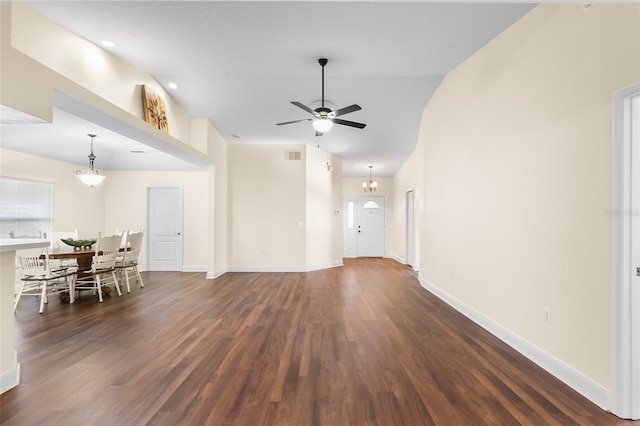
[25,209]
[350,215]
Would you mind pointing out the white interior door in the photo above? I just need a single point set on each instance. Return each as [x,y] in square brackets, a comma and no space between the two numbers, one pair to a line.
[410,228]
[370,214]
[165,229]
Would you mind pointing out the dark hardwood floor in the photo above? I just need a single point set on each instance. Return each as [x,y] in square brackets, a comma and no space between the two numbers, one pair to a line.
[362,344]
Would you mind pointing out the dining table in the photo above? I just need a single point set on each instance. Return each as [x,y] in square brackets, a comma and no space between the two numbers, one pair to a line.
[83,257]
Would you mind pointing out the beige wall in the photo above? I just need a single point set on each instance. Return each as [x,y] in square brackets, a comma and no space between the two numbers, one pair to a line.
[32,68]
[75,205]
[119,202]
[90,66]
[266,208]
[408,178]
[517,176]
[218,156]
[126,195]
[324,210]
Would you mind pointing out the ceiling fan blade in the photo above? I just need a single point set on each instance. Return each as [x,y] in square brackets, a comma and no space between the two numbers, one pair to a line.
[348,123]
[294,121]
[346,110]
[306,108]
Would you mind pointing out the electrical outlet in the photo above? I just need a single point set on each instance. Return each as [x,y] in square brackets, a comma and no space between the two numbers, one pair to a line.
[547,315]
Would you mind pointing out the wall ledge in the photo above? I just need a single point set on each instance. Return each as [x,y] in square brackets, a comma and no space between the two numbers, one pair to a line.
[578,382]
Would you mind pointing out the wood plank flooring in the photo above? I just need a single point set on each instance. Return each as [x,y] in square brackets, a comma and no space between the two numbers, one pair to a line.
[362,344]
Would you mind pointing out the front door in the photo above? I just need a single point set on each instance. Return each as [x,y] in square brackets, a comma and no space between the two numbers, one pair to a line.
[370,226]
[165,229]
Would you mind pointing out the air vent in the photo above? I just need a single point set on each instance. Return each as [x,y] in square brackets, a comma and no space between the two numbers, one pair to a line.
[293,155]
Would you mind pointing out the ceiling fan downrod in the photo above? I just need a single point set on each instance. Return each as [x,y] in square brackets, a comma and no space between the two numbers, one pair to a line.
[323,62]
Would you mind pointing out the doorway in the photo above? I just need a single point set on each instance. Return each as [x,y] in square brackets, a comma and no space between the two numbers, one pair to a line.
[165,229]
[625,220]
[364,227]
[410,232]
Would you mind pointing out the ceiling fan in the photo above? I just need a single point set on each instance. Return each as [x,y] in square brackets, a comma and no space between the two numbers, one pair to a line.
[324,118]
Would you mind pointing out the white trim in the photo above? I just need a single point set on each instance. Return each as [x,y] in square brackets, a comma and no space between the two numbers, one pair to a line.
[397,258]
[27,178]
[258,268]
[403,261]
[581,384]
[195,268]
[625,397]
[334,264]
[312,268]
[11,379]
[212,275]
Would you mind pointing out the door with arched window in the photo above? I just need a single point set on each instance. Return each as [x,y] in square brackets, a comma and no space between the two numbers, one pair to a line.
[364,234]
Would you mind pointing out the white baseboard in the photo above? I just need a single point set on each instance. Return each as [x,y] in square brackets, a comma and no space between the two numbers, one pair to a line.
[11,379]
[581,384]
[334,264]
[259,268]
[403,261]
[212,275]
[285,268]
[397,258]
[194,268]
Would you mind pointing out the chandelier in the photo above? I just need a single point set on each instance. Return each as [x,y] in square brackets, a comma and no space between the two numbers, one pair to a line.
[370,186]
[91,177]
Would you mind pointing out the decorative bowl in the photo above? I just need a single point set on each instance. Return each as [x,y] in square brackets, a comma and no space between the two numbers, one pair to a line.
[78,244]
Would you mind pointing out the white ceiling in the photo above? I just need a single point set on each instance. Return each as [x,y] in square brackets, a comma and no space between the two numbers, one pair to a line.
[241,63]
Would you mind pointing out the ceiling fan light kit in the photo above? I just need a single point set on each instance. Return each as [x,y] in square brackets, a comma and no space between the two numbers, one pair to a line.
[91,177]
[323,117]
[322,124]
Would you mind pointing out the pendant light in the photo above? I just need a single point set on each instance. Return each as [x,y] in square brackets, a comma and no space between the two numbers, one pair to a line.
[91,177]
[370,186]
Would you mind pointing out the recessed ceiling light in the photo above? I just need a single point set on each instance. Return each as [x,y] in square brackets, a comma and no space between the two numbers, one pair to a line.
[108,43]
[233,135]
[172,85]
[137,152]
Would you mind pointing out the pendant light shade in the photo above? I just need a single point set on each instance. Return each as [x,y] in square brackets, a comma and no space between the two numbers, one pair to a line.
[91,177]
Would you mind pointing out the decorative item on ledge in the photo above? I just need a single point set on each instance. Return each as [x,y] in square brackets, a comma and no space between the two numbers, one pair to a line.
[78,244]
[155,112]
[91,177]
[370,186]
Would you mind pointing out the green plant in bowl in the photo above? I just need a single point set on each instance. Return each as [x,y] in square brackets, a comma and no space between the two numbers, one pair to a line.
[78,244]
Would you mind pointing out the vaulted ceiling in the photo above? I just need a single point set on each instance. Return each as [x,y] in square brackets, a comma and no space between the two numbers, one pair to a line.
[241,63]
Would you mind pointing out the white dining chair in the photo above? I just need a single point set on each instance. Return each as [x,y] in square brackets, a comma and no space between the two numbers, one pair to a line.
[56,242]
[103,266]
[127,262]
[37,278]
[58,236]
